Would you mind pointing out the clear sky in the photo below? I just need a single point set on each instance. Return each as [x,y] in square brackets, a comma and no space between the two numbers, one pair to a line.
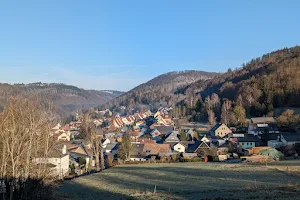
[120,44]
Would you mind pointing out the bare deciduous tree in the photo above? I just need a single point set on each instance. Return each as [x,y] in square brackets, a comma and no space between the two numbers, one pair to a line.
[25,131]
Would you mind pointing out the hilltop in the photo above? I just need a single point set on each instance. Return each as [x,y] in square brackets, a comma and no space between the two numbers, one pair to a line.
[160,91]
[66,98]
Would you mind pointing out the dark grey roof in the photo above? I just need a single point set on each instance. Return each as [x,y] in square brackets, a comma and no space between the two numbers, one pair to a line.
[215,127]
[193,147]
[164,129]
[187,143]
[56,151]
[213,144]
[136,150]
[291,137]
[77,155]
[248,139]
[270,127]
[172,137]
[226,144]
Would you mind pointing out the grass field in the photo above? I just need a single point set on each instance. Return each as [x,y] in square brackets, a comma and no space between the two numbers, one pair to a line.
[188,181]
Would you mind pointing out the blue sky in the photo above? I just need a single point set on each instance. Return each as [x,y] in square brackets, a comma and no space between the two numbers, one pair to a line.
[120,44]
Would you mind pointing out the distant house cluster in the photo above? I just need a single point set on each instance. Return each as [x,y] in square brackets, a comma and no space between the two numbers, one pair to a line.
[121,121]
[154,136]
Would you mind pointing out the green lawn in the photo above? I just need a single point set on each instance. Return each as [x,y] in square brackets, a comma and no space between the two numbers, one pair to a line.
[185,181]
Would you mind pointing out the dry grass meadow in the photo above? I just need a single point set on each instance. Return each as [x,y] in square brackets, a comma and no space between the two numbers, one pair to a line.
[188,181]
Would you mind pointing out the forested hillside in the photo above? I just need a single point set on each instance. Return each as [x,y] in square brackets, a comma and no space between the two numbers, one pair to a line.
[64,98]
[159,91]
[255,89]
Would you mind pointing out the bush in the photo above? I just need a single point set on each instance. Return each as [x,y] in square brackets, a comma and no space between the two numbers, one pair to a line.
[25,189]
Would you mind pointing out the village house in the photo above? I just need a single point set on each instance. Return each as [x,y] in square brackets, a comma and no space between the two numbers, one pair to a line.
[162,116]
[205,138]
[262,125]
[220,130]
[155,150]
[129,120]
[182,146]
[103,112]
[160,131]
[134,135]
[238,135]
[111,148]
[57,160]
[142,140]
[172,137]
[62,133]
[116,123]
[214,139]
[162,112]
[136,152]
[140,122]
[63,136]
[275,143]
[248,142]
[98,122]
[105,142]
[290,139]
[193,148]
[77,151]
[74,126]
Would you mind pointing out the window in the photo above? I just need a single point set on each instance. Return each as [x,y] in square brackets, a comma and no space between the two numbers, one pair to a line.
[242,143]
[179,148]
[247,143]
[148,151]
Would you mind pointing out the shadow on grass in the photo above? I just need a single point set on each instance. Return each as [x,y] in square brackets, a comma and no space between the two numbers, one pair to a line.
[74,190]
[127,182]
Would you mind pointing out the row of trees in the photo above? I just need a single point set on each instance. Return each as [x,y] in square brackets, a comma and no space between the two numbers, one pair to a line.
[25,127]
[213,109]
[289,119]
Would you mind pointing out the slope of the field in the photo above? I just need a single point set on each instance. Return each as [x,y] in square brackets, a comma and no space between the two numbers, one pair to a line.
[186,181]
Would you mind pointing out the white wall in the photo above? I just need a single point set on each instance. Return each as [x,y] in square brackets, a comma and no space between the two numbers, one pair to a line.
[62,165]
[179,148]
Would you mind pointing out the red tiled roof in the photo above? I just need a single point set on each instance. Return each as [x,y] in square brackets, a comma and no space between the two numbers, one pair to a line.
[65,128]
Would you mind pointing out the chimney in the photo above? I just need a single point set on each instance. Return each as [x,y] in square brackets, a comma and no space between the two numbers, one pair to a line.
[64,150]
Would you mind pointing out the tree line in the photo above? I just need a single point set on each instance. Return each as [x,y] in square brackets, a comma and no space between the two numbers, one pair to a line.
[25,134]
